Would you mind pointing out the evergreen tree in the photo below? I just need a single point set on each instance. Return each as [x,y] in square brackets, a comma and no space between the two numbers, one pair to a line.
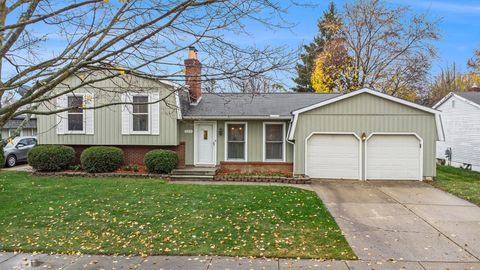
[312,50]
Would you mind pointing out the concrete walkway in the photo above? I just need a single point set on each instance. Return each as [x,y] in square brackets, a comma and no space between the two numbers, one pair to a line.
[23,167]
[86,262]
[397,220]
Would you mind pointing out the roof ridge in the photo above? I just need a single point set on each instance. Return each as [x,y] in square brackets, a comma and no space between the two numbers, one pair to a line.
[281,93]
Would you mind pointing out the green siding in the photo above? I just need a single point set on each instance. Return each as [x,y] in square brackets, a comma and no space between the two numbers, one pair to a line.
[254,142]
[367,113]
[108,119]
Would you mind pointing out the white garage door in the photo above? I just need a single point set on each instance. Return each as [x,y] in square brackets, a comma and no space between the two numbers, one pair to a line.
[393,157]
[333,156]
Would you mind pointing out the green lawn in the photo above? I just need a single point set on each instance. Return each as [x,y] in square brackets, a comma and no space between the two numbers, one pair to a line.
[463,183]
[148,217]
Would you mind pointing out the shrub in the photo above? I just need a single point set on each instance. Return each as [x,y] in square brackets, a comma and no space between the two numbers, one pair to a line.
[127,168]
[135,168]
[2,158]
[100,159]
[161,161]
[51,158]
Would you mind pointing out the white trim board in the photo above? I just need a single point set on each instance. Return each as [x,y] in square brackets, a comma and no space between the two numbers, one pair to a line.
[223,117]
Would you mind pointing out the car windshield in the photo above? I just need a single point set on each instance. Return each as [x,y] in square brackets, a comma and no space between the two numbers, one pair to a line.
[12,143]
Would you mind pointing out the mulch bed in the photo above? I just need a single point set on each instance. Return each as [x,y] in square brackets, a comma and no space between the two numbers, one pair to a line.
[264,179]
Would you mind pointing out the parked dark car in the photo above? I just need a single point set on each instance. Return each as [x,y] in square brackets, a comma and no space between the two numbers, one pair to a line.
[16,150]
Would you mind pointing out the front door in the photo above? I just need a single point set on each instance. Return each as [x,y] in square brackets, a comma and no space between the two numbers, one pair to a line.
[205,144]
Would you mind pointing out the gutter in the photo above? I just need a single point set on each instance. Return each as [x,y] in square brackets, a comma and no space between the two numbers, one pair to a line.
[237,117]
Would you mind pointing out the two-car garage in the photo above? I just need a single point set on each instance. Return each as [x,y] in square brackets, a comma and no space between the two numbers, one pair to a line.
[378,157]
[365,135]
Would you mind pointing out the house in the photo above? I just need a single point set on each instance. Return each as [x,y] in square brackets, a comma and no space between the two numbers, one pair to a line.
[361,135]
[460,115]
[30,129]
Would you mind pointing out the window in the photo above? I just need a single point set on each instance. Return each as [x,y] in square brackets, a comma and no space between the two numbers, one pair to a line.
[453,103]
[75,114]
[236,141]
[274,141]
[12,131]
[23,142]
[140,113]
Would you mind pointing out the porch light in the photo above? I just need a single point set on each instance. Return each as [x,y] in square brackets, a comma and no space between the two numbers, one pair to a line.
[364,136]
[220,131]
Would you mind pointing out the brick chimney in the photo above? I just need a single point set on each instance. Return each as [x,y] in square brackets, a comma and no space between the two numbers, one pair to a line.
[193,72]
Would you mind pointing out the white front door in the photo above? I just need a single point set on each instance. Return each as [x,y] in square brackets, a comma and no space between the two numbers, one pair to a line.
[205,144]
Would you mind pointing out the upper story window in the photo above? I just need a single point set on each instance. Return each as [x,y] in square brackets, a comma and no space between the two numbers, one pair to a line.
[274,142]
[75,114]
[453,103]
[236,141]
[140,113]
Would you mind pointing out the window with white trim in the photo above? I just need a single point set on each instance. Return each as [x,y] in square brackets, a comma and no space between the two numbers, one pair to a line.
[274,141]
[75,114]
[236,141]
[140,113]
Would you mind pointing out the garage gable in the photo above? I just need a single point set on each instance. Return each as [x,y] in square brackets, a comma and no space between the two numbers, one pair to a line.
[372,93]
[366,102]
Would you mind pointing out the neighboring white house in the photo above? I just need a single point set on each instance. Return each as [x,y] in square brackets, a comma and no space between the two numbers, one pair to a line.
[460,115]
[30,129]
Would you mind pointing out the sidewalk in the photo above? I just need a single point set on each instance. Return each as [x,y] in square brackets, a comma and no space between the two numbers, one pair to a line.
[9,260]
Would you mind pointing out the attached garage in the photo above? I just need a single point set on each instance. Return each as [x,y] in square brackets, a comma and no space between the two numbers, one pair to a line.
[393,157]
[334,156]
[365,135]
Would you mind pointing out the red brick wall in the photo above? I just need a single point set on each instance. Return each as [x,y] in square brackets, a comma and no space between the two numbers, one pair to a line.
[133,154]
[256,167]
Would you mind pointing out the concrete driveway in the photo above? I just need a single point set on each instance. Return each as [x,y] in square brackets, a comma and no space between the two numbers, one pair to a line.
[400,220]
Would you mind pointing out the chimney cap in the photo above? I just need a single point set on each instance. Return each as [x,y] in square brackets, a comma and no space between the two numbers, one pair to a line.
[192,53]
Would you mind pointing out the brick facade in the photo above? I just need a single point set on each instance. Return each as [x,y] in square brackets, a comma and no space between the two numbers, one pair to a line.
[133,154]
[256,167]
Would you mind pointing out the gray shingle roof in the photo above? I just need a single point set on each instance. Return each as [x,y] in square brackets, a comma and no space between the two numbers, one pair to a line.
[14,123]
[472,96]
[239,104]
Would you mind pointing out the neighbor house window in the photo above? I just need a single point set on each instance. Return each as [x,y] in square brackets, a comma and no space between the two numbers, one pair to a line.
[140,113]
[236,141]
[12,131]
[274,141]
[75,113]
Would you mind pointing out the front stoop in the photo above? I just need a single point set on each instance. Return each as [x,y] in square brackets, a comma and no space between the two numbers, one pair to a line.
[194,174]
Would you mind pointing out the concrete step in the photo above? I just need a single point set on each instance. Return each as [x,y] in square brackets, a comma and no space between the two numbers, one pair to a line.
[191,177]
[194,171]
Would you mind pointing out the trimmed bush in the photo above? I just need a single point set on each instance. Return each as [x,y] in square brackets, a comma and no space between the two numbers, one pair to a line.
[51,158]
[101,159]
[2,158]
[161,161]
